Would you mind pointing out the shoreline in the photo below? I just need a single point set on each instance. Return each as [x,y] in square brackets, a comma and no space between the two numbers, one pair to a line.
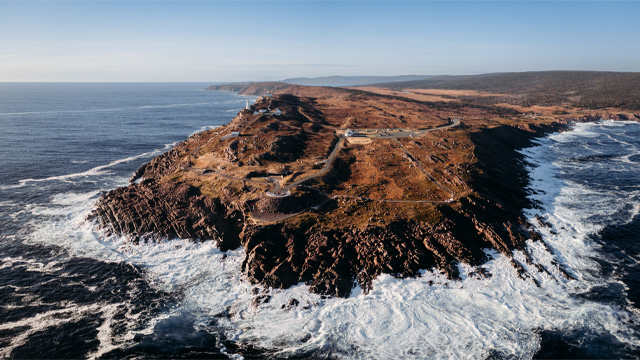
[288,251]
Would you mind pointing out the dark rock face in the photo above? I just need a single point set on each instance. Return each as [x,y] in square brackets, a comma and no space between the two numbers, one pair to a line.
[504,178]
[168,210]
[165,209]
[331,261]
[161,165]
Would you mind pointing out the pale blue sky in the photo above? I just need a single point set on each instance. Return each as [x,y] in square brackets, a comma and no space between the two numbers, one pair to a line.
[266,40]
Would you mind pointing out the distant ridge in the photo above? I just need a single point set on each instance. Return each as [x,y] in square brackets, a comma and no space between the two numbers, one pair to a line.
[352,80]
[590,89]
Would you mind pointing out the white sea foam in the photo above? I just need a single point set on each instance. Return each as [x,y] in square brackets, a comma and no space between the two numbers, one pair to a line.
[31,264]
[204,128]
[43,321]
[105,336]
[408,318]
[627,158]
[95,171]
[64,312]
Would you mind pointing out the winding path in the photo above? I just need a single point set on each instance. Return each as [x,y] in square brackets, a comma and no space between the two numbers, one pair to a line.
[374,133]
[278,191]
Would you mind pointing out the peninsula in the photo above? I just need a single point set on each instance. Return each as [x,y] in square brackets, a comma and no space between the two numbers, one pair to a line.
[333,186]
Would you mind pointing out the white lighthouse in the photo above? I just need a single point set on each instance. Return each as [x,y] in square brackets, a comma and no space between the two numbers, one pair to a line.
[247,107]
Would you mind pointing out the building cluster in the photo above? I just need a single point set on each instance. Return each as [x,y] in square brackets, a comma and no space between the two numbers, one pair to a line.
[267,111]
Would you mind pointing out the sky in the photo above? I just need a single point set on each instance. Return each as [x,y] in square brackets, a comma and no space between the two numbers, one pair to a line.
[221,41]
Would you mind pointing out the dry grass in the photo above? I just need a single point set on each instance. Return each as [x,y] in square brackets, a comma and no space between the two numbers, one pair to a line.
[359,141]
[454,93]
[429,94]
[370,168]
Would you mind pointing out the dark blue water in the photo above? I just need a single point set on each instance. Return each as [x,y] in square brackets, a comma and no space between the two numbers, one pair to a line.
[589,184]
[61,124]
[66,292]
[74,140]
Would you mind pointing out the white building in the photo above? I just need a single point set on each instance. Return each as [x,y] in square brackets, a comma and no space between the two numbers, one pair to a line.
[277,112]
[348,133]
[232,134]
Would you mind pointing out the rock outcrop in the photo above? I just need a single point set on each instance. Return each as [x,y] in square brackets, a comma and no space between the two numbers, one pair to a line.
[324,246]
[152,210]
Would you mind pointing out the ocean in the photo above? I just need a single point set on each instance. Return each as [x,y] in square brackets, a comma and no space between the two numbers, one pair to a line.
[68,291]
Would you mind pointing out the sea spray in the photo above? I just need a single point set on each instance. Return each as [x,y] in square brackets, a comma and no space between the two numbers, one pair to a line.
[502,315]
[60,280]
[135,299]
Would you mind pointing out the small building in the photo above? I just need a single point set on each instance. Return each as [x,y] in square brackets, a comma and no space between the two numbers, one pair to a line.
[348,133]
[232,134]
[277,112]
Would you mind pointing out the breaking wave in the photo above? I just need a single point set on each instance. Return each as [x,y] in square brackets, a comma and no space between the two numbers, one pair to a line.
[95,171]
[429,316]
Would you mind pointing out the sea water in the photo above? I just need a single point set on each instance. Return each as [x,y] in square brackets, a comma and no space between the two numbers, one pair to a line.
[68,291]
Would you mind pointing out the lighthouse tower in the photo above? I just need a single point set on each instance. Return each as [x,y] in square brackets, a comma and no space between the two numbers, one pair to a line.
[247,107]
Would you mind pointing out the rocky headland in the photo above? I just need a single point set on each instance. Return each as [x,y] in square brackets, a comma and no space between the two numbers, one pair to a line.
[333,187]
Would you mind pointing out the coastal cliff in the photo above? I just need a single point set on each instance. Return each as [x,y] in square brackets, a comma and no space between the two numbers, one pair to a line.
[311,204]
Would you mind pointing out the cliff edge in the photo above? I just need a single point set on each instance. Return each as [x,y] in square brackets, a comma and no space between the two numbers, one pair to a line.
[333,187]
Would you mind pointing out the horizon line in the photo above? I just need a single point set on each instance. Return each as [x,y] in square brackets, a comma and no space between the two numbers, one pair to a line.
[313,77]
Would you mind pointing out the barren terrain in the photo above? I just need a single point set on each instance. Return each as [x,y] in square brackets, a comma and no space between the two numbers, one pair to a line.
[331,186]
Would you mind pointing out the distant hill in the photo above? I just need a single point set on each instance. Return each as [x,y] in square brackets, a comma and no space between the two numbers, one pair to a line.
[590,89]
[253,88]
[352,80]
[322,81]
